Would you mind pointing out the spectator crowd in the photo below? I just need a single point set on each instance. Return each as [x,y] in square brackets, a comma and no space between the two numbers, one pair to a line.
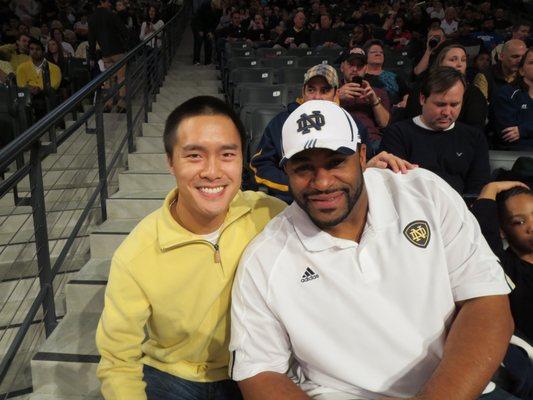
[44,45]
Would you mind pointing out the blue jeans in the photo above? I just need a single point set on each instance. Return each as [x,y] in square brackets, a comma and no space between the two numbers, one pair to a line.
[163,386]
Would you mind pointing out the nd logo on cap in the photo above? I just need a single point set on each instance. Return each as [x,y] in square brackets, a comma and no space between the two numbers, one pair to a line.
[316,121]
[319,124]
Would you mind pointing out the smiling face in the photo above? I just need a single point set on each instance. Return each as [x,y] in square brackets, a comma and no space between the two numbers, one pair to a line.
[440,110]
[207,164]
[326,184]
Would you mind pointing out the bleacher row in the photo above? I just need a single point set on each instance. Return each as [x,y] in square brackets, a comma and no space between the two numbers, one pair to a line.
[260,83]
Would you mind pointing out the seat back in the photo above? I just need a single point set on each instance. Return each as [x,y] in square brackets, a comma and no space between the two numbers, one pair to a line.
[266,52]
[310,61]
[279,62]
[291,75]
[263,94]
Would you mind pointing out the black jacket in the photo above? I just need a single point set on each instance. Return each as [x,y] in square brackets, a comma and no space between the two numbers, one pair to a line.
[107,29]
[460,155]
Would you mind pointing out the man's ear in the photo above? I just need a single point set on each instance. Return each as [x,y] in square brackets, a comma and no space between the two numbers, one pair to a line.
[422,99]
[502,234]
[170,165]
[362,156]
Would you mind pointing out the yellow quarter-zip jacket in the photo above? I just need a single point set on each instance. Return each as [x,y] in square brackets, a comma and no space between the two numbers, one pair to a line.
[168,297]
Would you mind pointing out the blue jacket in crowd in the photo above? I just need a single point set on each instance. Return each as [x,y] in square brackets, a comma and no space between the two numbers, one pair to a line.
[513,107]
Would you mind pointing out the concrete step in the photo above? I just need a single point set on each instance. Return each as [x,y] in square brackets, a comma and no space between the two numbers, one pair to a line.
[66,363]
[64,179]
[149,144]
[132,181]
[194,74]
[178,94]
[147,162]
[55,199]
[134,205]
[19,260]
[153,129]
[42,396]
[85,291]
[105,238]
[19,375]
[19,228]
[17,296]
[156,118]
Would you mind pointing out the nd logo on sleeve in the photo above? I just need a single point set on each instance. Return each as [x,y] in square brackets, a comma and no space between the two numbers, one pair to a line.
[418,233]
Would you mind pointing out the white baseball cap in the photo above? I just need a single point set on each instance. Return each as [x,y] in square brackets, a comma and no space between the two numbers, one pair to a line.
[318,124]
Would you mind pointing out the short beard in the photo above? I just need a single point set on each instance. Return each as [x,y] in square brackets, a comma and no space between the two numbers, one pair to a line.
[352,201]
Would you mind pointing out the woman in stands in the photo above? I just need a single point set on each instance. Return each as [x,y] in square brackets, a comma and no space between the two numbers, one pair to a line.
[474,108]
[150,25]
[68,50]
[395,85]
[55,55]
[512,109]
[506,209]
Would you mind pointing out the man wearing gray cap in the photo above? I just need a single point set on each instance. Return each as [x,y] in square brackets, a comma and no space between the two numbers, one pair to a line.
[371,285]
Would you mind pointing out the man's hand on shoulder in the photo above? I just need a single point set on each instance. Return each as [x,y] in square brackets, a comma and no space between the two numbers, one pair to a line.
[387,160]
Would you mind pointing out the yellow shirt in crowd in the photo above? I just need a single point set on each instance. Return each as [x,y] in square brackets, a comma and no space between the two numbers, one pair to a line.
[29,75]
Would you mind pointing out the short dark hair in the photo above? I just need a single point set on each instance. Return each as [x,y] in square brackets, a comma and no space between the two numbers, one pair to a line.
[197,106]
[502,197]
[441,79]
[372,42]
[36,43]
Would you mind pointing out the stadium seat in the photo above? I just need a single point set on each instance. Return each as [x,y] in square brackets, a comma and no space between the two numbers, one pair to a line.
[294,90]
[503,159]
[300,52]
[279,62]
[248,75]
[239,52]
[330,53]
[264,94]
[309,61]
[261,116]
[240,44]
[78,72]
[266,52]
[290,75]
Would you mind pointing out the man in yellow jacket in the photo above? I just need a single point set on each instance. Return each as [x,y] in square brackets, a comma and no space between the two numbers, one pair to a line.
[31,74]
[164,331]
[17,52]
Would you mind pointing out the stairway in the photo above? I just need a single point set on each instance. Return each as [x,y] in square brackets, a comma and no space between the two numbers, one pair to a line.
[65,366]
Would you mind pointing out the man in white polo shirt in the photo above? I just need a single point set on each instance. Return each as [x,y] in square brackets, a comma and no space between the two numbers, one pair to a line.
[371,285]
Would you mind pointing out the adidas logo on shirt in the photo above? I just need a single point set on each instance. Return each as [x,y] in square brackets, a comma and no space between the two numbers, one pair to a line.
[309,275]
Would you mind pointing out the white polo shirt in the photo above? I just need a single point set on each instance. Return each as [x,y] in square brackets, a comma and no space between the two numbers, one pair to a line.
[368,319]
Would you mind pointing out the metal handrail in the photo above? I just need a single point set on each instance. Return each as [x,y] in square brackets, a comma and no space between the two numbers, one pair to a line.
[30,140]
